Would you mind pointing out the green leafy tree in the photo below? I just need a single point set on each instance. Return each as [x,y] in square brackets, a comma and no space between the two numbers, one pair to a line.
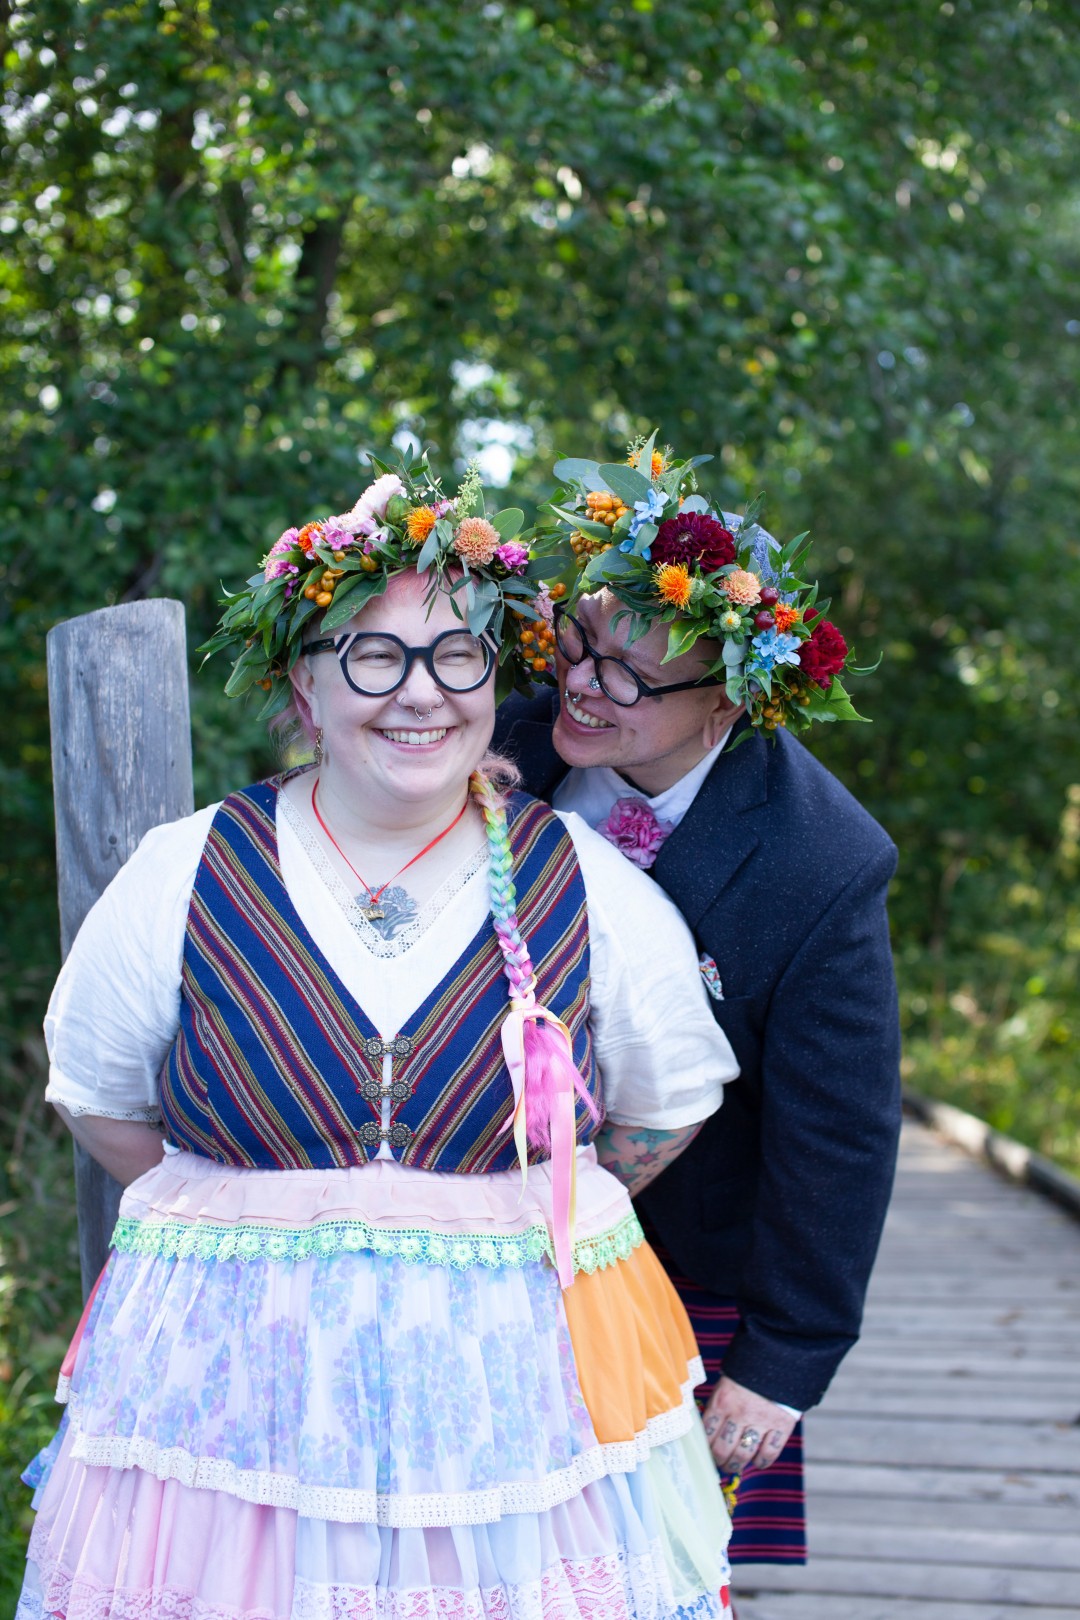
[834,243]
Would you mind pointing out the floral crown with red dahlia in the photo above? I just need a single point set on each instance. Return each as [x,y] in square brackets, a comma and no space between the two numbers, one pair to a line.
[332,566]
[642,529]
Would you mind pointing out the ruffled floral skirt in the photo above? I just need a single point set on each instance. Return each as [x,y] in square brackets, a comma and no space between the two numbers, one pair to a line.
[349,1394]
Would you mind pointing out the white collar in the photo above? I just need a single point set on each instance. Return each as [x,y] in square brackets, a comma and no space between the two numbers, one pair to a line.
[592,790]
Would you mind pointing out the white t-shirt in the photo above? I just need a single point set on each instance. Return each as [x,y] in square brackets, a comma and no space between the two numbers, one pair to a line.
[114,1012]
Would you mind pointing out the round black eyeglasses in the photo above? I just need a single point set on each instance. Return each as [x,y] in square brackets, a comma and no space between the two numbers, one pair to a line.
[616,679]
[376,664]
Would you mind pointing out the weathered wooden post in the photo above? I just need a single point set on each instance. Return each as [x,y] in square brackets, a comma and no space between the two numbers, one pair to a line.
[121,757]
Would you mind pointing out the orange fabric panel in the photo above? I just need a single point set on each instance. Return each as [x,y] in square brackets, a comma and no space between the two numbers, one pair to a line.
[632,1344]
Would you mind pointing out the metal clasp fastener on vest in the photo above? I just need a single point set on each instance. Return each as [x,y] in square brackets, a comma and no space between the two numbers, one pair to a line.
[398,1135]
[375,1090]
[399,1046]
[385,1090]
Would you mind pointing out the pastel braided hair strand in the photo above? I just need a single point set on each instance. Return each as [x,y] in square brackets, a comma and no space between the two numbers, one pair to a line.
[549,1067]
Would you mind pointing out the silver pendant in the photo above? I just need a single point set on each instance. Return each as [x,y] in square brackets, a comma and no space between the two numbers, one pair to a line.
[372,913]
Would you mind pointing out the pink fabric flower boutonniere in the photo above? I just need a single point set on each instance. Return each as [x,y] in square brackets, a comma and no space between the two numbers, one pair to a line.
[635,830]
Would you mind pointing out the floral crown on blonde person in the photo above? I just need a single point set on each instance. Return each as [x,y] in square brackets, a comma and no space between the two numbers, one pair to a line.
[332,566]
[642,529]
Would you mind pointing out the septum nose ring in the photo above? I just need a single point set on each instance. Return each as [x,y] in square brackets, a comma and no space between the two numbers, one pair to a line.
[425,714]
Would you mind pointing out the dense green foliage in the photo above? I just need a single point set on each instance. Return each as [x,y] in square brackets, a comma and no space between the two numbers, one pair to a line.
[834,242]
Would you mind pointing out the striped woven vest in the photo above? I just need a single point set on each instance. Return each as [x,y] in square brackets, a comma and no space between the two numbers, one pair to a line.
[277,1066]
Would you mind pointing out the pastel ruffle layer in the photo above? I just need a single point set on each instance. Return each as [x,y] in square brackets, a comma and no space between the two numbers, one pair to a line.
[366,1429]
[626,1546]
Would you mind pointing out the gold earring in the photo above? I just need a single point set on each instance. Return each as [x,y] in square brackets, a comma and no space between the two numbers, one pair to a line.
[318,745]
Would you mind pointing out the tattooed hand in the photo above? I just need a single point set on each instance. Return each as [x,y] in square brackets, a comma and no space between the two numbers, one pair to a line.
[745,1430]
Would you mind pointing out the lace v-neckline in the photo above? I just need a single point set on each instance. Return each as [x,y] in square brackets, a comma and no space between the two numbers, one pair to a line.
[366,932]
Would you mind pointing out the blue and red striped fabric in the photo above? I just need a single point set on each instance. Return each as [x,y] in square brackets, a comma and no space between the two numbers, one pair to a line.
[769,1520]
[275,1064]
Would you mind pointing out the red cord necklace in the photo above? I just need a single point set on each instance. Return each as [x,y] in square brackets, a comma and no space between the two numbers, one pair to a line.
[373,911]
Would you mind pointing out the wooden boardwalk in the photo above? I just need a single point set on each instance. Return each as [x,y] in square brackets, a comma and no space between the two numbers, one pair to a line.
[944,1467]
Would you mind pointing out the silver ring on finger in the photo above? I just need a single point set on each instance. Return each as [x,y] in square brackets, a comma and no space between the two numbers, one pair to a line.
[750,1440]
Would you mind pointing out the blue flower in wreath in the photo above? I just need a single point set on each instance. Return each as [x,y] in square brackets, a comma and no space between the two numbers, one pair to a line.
[645,511]
[770,648]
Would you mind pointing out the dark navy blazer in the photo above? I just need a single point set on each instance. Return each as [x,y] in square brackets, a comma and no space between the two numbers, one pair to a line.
[780,1200]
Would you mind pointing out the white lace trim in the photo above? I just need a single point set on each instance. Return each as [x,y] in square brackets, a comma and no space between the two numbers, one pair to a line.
[150,1115]
[605,1587]
[344,1505]
[371,938]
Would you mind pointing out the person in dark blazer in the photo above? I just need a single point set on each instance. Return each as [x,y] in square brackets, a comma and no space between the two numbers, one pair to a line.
[770,1220]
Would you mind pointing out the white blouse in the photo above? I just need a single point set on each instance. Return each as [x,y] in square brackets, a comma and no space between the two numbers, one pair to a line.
[115,1010]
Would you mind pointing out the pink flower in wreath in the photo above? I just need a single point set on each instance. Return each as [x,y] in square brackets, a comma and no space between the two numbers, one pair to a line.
[513,556]
[635,830]
[276,561]
[544,603]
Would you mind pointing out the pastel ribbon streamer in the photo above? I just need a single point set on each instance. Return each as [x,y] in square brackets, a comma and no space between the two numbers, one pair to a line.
[563,1124]
[561,1080]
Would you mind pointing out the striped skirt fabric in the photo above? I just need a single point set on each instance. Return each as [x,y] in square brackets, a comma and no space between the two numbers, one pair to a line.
[769,1517]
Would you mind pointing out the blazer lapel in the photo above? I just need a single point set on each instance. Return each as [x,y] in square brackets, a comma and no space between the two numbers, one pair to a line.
[717,833]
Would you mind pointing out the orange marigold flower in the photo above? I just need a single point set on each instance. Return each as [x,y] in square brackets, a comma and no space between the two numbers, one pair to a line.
[785,616]
[658,465]
[419,523]
[477,541]
[673,583]
[309,537]
[743,587]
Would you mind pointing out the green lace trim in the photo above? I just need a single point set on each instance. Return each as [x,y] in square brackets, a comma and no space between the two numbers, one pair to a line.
[181,1240]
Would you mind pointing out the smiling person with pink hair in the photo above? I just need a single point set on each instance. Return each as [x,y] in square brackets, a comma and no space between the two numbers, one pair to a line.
[379,1334]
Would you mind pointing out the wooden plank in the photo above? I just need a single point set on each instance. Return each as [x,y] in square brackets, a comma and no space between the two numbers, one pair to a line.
[771,1605]
[930,1349]
[954,1402]
[121,756]
[911,1578]
[921,1361]
[1059,1270]
[1023,1229]
[941,1378]
[910,1250]
[948,1544]
[943,1484]
[924,1443]
[936,1314]
[1004,1295]
[854,1508]
[1062,1279]
[941,1333]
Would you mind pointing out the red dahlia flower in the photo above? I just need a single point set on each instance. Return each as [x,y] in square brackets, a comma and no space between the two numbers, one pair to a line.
[823,655]
[694,537]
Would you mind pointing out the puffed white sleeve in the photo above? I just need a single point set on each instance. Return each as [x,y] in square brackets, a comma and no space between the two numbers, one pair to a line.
[663,1058]
[115,1008]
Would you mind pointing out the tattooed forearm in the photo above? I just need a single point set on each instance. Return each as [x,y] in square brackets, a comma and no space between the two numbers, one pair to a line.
[637,1155]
